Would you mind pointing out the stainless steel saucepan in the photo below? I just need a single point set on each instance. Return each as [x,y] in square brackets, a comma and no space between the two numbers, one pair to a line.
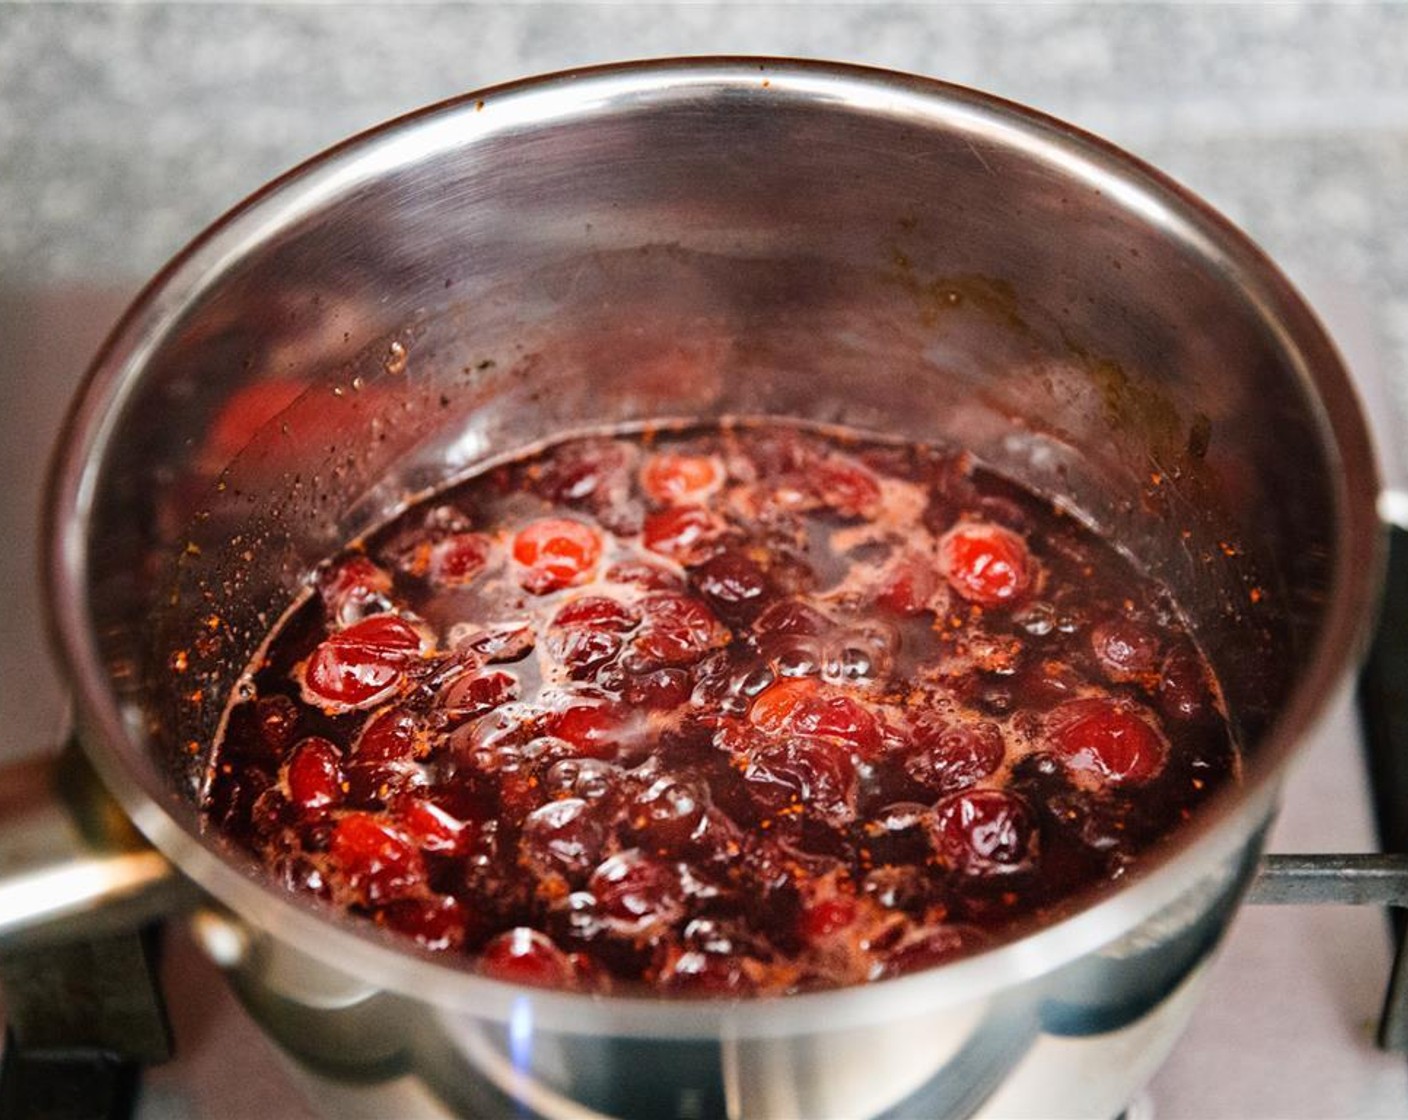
[689,239]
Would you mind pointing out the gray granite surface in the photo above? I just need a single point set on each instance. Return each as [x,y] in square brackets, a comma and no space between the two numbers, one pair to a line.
[126,128]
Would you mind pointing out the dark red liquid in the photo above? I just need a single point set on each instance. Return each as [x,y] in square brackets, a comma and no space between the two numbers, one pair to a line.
[749,709]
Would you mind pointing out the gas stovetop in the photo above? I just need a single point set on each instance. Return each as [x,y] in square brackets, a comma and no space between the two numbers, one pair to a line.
[1285,1028]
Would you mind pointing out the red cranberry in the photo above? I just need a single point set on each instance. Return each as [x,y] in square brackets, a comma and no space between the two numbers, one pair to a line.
[590,779]
[562,838]
[431,827]
[598,612]
[595,730]
[667,812]
[986,564]
[435,923]
[798,779]
[390,735]
[375,861]
[802,706]
[1124,649]
[732,583]
[373,784]
[475,694]
[458,558]
[672,479]
[314,774]
[660,690]
[698,972]
[1105,742]
[586,633]
[636,895]
[591,472]
[684,534]
[952,755]
[676,630]
[525,956]
[361,666]
[555,552]
[984,832]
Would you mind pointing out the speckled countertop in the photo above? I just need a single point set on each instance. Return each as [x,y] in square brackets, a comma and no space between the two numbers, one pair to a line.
[126,128]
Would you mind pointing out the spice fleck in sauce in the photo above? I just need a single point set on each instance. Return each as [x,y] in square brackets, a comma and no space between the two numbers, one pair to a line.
[748,709]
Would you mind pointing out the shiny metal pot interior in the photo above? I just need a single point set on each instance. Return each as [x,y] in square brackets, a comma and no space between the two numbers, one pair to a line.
[690,240]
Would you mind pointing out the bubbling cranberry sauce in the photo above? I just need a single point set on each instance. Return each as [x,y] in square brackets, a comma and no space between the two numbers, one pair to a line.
[749,709]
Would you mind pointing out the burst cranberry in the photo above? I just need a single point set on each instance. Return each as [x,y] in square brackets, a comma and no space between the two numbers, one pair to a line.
[909,586]
[314,774]
[986,564]
[555,552]
[676,630]
[1124,649]
[374,861]
[636,894]
[847,486]
[684,534]
[671,479]
[1105,742]
[798,779]
[947,756]
[802,706]
[525,956]
[984,832]
[361,666]
[458,558]
[586,634]
[390,735]
[434,923]
[477,693]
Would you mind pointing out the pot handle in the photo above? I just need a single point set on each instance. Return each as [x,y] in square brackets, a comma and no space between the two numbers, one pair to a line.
[71,864]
